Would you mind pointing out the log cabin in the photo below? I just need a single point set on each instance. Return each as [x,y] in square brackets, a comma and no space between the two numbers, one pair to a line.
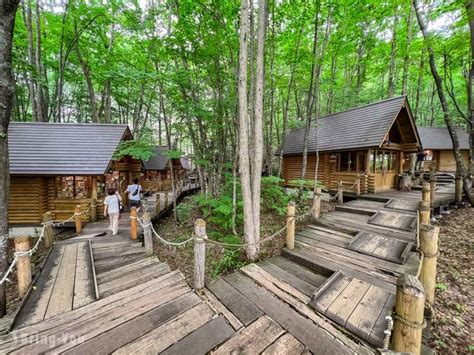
[56,166]
[157,175]
[367,143]
[438,148]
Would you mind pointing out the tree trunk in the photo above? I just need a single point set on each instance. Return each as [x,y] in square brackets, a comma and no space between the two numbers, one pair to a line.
[392,82]
[406,57]
[40,103]
[419,83]
[244,161]
[310,98]
[258,119]
[31,61]
[7,91]
[470,84]
[461,171]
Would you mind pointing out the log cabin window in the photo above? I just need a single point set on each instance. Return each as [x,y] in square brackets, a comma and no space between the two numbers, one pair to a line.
[351,161]
[385,161]
[73,187]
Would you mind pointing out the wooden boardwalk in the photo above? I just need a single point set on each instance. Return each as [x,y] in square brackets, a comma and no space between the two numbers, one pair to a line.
[330,294]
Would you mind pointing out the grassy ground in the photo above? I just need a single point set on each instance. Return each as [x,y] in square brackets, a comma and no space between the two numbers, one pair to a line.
[452,328]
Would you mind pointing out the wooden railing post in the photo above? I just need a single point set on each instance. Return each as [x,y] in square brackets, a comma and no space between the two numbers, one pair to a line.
[158,203]
[429,247]
[78,219]
[93,210]
[166,198]
[432,187]
[133,223]
[358,186]
[409,315]
[340,197]
[424,210]
[426,192]
[290,220]
[48,229]
[23,266]
[199,253]
[317,203]
[458,190]
[148,233]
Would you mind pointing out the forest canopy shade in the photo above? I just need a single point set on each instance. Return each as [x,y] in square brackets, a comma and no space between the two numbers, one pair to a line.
[360,127]
[63,148]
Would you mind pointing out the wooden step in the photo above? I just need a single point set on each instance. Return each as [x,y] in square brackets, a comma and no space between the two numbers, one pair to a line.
[128,280]
[113,263]
[118,272]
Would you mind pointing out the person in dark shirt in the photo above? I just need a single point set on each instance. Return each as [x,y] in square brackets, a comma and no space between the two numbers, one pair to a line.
[420,158]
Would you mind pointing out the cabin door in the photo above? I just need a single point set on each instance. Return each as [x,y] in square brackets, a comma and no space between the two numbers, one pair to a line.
[386,170]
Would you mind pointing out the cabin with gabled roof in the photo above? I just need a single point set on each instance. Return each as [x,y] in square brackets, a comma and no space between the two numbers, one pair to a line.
[157,175]
[438,148]
[56,166]
[369,142]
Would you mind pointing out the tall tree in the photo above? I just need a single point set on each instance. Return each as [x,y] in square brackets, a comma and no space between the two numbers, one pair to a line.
[392,73]
[470,83]
[8,10]
[461,170]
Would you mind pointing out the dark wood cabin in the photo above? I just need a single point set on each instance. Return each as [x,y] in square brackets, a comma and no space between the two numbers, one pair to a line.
[438,148]
[369,141]
[157,175]
[56,166]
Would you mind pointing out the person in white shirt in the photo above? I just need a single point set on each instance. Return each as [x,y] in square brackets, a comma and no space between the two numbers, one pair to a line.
[112,208]
[134,193]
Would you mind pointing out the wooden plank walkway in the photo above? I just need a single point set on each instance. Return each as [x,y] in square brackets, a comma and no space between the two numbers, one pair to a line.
[330,294]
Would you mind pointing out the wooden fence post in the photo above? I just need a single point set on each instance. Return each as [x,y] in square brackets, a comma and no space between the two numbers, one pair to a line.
[426,192]
[93,210]
[340,197]
[290,220]
[199,253]
[317,203]
[358,186]
[133,223]
[432,187]
[429,247]
[409,315]
[424,210]
[166,198]
[148,233]
[23,266]
[48,229]
[458,190]
[158,203]
[78,219]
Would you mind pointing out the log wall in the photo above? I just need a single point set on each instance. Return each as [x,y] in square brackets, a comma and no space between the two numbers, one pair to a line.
[445,160]
[28,200]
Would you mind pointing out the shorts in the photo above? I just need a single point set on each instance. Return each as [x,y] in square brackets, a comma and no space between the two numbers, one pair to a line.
[135,203]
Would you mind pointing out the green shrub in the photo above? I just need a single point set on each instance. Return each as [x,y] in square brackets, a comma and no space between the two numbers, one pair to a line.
[274,197]
[232,259]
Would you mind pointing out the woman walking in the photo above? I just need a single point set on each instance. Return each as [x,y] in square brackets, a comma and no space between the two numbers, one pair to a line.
[112,208]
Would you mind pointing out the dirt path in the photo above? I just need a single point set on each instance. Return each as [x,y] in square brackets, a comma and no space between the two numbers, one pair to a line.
[453,323]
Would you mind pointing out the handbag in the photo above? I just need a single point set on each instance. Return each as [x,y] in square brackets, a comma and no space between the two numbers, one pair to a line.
[120,204]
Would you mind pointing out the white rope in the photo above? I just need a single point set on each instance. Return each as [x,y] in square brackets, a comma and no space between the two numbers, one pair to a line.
[19,254]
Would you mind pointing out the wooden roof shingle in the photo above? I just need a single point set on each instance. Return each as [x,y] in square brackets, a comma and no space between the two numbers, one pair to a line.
[358,127]
[62,148]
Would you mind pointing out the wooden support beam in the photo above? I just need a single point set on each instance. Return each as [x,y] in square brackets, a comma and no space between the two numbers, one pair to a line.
[133,223]
[358,186]
[340,197]
[48,229]
[148,234]
[317,203]
[23,265]
[424,210]
[409,315]
[158,203]
[432,186]
[290,220]
[78,219]
[199,253]
[93,210]
[429,247]
[426,192]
